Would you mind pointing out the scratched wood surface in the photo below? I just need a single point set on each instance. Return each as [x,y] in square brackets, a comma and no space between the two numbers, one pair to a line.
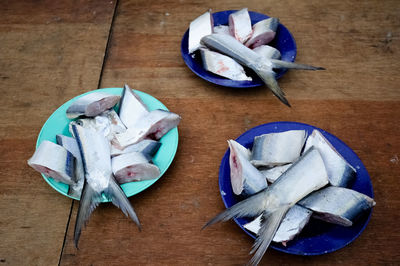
[57,52]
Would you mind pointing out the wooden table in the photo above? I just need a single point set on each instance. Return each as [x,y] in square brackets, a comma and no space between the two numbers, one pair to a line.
[51,51]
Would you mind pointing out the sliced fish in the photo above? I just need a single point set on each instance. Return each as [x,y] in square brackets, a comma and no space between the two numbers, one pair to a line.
[240,25]
[92,104]
[340,172]
[54,161]
[133,166]
[274,173]
[268,52]
[132,108]
[264,32]
[222,29]
[277,148]
[95,152]
[306,175]
[200,27]
[222,65]
[337,205]
[148,147]
[245,178]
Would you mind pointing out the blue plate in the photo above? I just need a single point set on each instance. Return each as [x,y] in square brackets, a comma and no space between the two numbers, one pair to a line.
[317,237]
[283,41]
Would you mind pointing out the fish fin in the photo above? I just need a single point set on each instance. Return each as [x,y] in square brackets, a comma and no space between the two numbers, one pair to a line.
[249,207]
[268,77]
[90,199]
[270,222]
[115,193]
[284,64]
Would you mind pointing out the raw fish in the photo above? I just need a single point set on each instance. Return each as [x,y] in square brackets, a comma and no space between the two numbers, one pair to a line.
[92,104]
[264,32]
[200,27]
[132,108]
[240,25]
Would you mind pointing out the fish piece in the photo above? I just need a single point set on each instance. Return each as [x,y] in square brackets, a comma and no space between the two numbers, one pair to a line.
[134,166]
[222,65]
[231,47]
[337,205]
[132,108]
[306,175]
[240,25]
[71,145]
[95,152]
[92,104]
[274,173]
[54,161]
[277,148]
[221,29]
[340,172]
[294,221]
[200,27]
[245,178]
[268,52]
[148,147]
[264,32]
[155,125]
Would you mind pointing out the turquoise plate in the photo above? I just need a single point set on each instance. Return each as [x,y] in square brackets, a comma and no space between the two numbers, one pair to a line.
[58,124]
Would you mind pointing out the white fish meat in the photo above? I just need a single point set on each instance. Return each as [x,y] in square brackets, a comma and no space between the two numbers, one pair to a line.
[340,172]
[148,147]
[131,108]
[133,166]
[268,52]
[240,25]
[54,161]
[222,65]
[274,173]
[264,32]
[200,27]
[277,148]
[306,175]
[92,104]
[245,178]
[221,29]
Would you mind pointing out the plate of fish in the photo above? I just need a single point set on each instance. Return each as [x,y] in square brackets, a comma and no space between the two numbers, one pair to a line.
[296,188]
[140,133]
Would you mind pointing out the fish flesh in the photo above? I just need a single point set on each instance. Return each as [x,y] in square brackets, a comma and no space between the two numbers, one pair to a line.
[92,104]
[231,47]
[95,153]
[222,29]
[131,108]
[294,221]
[337,205]
[240,25]
[268,52]
[133,166]
[148,147]
[200,27]
[264,32]
[306,175]
[54,161]
[245,178]
[155,125]
[277,148]
[340,172]
[71,145]
[272,174]
[222,65]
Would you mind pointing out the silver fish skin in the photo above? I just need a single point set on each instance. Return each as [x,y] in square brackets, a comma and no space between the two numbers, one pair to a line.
[54,161]
[245,178]
[222,65]
[340,172]
[306,175]
[221,29]
[92,104]
[132,108]
[240,25]
[264,32]
[95,153]
[337,205]
[274,173]
[147,146]
[71,145]
[200,27]
[277,148]
[268,52]
[231,47]
[133,166]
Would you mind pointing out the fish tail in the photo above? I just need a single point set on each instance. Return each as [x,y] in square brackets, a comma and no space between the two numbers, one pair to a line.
[270,222]
[90,199]
[284,64]
[115,193]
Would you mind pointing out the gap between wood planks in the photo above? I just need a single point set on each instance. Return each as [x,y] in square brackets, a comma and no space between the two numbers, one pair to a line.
[98,87]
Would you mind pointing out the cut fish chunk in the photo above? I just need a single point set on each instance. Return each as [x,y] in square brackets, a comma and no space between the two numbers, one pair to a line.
[148,147]
[264,32]
[200,27]
[92,104]
[267,51]
[240,25]
[132,108]
[222,29]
